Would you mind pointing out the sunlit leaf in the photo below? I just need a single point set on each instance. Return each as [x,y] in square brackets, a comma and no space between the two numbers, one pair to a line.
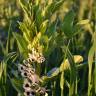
[66,66]
[83,22]
[43,26]
[62,82]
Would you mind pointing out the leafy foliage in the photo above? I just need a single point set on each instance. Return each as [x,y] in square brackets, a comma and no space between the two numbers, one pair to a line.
[64,32]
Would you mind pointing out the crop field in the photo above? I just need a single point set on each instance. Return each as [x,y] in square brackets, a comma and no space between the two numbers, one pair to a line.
[47,47]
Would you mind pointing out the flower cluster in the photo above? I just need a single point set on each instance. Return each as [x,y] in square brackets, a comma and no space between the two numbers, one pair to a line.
[36,56]
[31,83]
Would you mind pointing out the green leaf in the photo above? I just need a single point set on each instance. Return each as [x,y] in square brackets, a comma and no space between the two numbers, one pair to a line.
[3,66]
[57,5]
[35,41]
[17,84]
[22,44]
[2,48]
[26,32]
[43,26]
[24,7]
[67,25]
[90,62]
[62,83]
[9,56]
[73,72]
[8,40]
[1,69]
[52,8]
[39,18]
[91,55]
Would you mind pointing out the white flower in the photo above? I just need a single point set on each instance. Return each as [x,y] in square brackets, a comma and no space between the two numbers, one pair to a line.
[34,78]
[29,93]
[40,60]
[36,56]
[24,74]
[32,57]
[27,85]
[21,67]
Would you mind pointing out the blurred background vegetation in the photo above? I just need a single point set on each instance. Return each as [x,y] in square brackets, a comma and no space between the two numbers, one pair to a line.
[11,13]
